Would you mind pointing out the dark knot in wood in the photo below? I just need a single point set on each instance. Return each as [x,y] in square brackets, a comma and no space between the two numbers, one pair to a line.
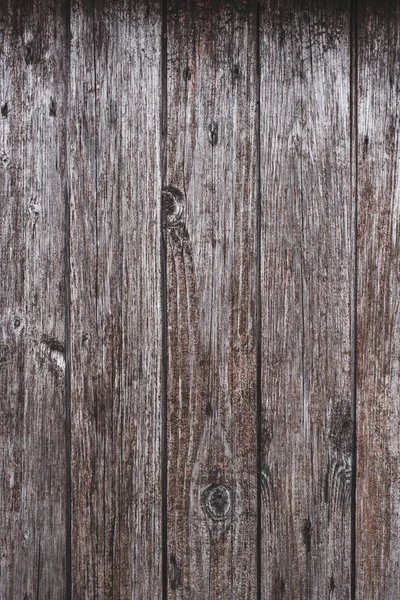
[217,500]
[173,206]
[29,54]
[53,108]
[236,71]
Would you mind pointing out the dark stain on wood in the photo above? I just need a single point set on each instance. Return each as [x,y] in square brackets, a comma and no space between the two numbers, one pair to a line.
[175,573]
[29,54]
[53,108]
[213,133]
[307,530]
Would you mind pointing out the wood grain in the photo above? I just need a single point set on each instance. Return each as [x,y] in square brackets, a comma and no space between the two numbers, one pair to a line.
[115,299]
[378,381]
[32,298]
[210,227]
[306,297]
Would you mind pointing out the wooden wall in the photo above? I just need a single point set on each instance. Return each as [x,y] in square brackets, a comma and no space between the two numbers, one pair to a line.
[199,300]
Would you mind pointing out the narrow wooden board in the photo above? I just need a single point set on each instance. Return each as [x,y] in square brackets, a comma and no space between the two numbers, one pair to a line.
[115,299]
[210,212]
[378,321]
[32,299]
[306,298]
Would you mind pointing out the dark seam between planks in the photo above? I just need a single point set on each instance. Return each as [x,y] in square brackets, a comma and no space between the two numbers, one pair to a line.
[67,266]
[258,291]
[354,194]
[164,306]
[96,147]
[96,154]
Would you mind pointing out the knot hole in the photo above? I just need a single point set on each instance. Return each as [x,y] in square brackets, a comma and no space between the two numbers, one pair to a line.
[217,502]
[172,206]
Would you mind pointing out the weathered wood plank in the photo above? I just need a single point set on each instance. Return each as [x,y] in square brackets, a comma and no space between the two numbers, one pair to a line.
[378,321]
[115,291]
[307,281]
[210,212]
[32,299]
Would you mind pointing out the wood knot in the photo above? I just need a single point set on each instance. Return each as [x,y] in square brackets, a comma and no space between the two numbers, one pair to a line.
[4,110]
[217,500]
[172,206]
[236,71]
[53,108]
[29,54]
[213,133]
[5,159]
[54,350]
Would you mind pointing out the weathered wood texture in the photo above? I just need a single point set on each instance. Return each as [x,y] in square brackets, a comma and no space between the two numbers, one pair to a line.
[244,312]
[210,212]
[32,294]
[306,292]
[378,321]
[115,299]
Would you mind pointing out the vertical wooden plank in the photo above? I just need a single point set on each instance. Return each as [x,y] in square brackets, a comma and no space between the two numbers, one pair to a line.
[307,283]
[115,292]
[32,298]
[378,321]
[211,242]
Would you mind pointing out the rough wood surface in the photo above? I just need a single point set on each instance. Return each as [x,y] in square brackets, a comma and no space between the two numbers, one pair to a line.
[210,215]
[32,340]
[115,299]
[152,288]
[378,321]
[307,279]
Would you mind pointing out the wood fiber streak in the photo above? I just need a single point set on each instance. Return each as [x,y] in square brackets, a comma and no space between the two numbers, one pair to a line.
[378,367]
[115,299]
[306,298]
[32,298]
[210,226]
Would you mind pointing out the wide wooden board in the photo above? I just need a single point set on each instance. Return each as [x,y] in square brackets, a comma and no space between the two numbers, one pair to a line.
[115,233]
[32,300]
[378,316]
[307,280]
[210,225]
